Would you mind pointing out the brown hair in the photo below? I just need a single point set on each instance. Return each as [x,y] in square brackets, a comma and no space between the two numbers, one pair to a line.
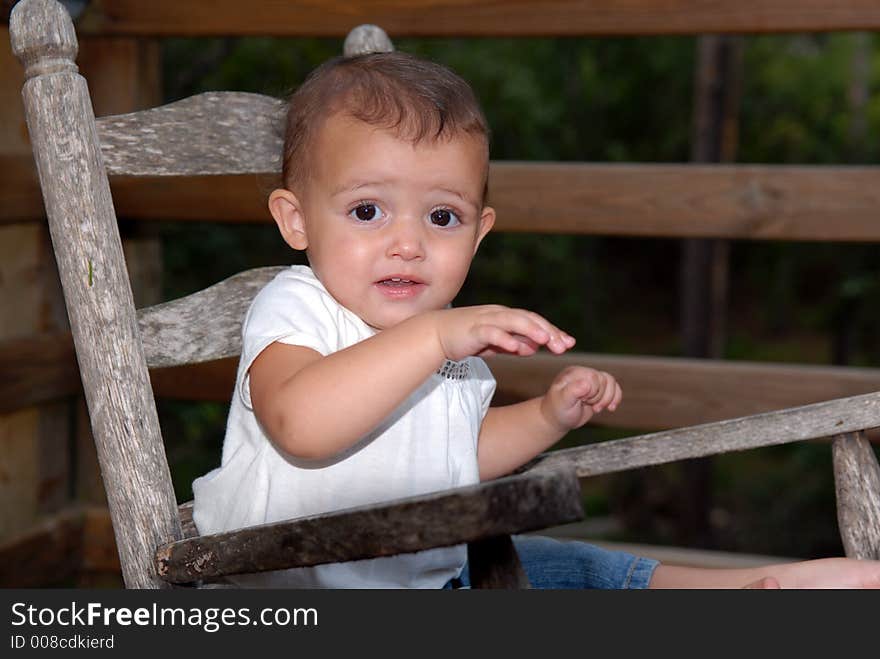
[416,98]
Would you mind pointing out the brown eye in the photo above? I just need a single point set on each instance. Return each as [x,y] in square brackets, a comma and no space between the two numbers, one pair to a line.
[443,217]
[366,212]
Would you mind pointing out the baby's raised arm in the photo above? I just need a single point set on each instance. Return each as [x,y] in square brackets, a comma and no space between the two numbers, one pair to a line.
[314,407]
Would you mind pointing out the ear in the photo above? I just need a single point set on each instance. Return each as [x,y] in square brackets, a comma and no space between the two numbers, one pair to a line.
[487,221]
[286,211]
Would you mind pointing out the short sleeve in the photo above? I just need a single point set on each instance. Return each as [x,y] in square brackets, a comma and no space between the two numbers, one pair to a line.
[290,310]
[486,382]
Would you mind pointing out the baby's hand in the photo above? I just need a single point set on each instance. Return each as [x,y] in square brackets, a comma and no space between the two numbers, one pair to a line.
[578,393]
[492,329]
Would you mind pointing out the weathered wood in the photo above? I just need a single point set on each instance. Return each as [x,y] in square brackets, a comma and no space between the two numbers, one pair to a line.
[857,484]
[513,504]
[366,39]
[486,18]
[494,563]
[773,428]
[203,326]
[88,250]
[210,133]
[671,392]
[186,520]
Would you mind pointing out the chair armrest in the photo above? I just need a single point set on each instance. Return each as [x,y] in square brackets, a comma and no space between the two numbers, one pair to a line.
[513,504]
[793,424]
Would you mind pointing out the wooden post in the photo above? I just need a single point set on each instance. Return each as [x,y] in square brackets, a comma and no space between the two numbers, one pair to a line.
[97,291]
[493,563]
[845,326]
[857,484]
[123,76]
[704,271]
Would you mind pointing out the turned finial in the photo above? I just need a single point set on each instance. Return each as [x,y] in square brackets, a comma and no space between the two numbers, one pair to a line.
[365,39]
[42,36]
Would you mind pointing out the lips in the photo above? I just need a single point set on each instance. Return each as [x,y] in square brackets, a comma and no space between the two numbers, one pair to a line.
[400,286]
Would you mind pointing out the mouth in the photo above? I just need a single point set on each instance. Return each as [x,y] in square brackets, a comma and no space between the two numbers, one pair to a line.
[400,287]
[398,281]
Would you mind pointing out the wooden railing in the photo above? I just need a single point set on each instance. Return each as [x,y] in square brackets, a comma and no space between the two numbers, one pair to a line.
[453,18]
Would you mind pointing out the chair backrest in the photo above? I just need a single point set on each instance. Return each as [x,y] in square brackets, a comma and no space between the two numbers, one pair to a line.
[210,133]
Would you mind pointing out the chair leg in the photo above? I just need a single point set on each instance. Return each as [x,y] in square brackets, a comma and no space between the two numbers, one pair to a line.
[494,563]
[857,482]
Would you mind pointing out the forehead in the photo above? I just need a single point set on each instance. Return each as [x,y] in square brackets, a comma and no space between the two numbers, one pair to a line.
[347,149]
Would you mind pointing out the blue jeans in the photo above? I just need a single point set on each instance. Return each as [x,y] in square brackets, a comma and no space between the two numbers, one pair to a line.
[559,564]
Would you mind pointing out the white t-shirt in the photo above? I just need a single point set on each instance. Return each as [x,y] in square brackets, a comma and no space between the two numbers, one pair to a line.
[428,443]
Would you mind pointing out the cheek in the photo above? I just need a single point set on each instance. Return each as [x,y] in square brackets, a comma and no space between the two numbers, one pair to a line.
[456,261]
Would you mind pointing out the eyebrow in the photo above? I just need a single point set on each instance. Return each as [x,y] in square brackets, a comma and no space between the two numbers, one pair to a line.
[458,194]
[357,185]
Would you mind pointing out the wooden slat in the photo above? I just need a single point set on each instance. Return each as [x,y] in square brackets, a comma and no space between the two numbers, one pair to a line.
[210,133]
[203,326]
[507,505]
[730,201]
[844,415]
[485,18]
[666,392]
[857,486]
[207,381]
[195,198]
[659,392]
[36,370]
[711,201]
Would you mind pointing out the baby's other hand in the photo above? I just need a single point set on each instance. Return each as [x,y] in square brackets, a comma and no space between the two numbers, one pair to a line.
[578,393]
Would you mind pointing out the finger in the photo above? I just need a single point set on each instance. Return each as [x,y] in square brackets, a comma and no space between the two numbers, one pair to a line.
[531,345]
[618,396]
[608,390]
[552,335]
[517,321]
[493,337]
[558,341]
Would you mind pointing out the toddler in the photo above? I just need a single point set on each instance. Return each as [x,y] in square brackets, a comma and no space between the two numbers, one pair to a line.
[360,383]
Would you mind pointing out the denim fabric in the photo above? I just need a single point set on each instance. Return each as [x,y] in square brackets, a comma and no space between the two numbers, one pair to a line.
[559,564]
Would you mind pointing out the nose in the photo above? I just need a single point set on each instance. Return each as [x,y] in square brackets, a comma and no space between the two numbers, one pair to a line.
[406,240]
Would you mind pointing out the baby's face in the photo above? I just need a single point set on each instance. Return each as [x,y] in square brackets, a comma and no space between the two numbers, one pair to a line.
[391,226]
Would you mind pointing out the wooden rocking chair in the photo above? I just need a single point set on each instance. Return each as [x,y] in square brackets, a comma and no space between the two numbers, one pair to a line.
[227,133]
